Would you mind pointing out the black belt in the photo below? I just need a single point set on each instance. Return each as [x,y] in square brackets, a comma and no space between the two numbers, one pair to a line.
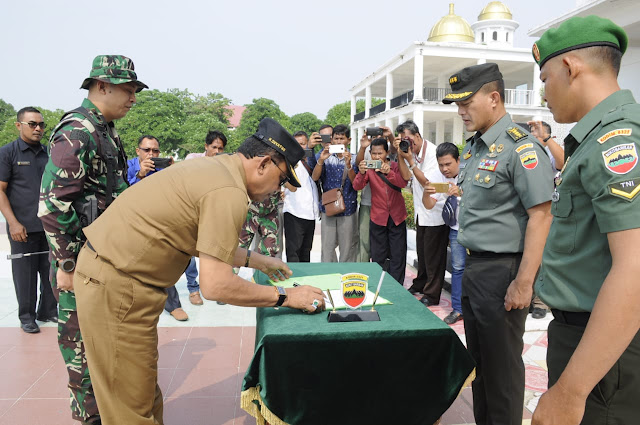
[487,254]
[572,318]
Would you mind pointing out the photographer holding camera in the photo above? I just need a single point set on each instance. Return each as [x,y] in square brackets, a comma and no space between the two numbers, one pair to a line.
[144,165]
[388,228]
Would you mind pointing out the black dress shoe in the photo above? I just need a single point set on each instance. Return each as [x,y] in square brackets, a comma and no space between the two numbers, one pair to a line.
[539,313]
[413,291]
[452,318]
[53,319]
[426,302]
[30,328]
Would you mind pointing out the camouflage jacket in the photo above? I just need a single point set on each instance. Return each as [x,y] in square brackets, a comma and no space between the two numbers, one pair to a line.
[265,207]
[75,171]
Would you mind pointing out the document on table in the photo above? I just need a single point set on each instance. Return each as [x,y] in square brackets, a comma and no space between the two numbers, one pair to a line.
[322,281]
[336,294]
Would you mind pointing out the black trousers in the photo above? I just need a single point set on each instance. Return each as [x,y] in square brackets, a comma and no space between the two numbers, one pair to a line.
[25,272]
[494,339]
[173,299]
[298,235]
[431,247]
[390,242]
[616,398]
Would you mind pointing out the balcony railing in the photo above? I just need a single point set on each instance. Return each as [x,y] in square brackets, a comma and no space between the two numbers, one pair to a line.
[436,94]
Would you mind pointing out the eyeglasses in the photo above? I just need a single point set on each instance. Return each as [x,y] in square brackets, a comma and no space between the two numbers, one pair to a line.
[283,178]
[146,150]
[32,124]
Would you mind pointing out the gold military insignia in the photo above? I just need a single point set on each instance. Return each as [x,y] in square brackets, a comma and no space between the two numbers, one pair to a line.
[500,148]
[467,155]
[455,96]
[492,148]
[487,179]
[516,134]
[453,79]
[614,133]
[477,177]
[626,190]
[536,52]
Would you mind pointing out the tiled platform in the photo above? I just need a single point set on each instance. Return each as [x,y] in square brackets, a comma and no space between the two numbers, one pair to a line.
[201,366]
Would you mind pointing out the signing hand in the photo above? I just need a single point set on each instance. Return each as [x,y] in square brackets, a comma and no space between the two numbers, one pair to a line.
[306,298]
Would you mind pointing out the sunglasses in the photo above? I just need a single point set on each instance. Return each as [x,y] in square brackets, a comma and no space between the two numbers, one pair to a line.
[32,124]
[283,178]
[146,150]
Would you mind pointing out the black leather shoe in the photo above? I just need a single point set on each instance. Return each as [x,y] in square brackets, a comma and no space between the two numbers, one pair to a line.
[539,313]
[30,328]
[413,291]
[426,302]
[452,318]
[53,319]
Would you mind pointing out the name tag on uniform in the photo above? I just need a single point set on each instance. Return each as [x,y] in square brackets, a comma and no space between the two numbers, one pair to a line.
[24,162]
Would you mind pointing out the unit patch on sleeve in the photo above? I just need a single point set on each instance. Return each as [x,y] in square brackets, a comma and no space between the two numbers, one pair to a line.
[626,190]
[488,164]
[614,133]
[523,147]
[516,134]
[529,160]
[621,159]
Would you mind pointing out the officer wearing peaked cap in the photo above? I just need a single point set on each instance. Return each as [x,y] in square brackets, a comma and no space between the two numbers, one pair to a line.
[166,220]
[86,171]
[590,267]
[506,181]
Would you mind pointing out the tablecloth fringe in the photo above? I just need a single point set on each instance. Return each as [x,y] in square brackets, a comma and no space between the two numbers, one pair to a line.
[258,411]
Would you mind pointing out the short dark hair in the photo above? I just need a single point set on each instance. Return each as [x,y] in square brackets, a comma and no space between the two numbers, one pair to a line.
[254,147]
[147,136]
[604,56]
[215,134]
[322,127]
[546,127]
[408,125]
[24,110]
[447,148]
[380,141]
[497,85]
[301,133]
[341,129]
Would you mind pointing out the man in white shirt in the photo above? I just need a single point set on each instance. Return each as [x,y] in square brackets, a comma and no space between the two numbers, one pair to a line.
[431,232]
[300,210]
[448,157]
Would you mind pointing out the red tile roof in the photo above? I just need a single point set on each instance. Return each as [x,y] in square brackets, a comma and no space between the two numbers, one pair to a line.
[237,111]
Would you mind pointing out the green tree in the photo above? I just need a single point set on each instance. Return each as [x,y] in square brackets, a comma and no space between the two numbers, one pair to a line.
[306,122]
[7,112]
[255,112]
[341,113]
[195,131]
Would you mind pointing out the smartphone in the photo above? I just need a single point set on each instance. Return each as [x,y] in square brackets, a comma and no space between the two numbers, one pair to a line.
[326,138]
[161,162]
[309,153]
[374,131]
[373,164]
[440,187]
[336,149]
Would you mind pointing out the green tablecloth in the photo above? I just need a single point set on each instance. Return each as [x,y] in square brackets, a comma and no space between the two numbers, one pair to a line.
[406,369]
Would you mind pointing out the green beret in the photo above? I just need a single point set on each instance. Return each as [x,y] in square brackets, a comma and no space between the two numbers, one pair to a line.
[578,33]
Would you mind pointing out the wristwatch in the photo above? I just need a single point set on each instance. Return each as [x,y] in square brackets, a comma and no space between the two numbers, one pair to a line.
[282,296]
[67,265]
[412,167]
[546,139]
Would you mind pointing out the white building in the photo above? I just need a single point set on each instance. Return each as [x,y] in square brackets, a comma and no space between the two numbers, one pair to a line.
[625,13]
[414,81]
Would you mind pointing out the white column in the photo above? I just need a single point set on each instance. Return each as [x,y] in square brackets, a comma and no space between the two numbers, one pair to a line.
[353,107]
[418,69]
[389,93]
[537,85]
[388,122]
[418,118]
[457,134]
[401,118]
[367,101]
[356,134]
[426,131]
[439,131]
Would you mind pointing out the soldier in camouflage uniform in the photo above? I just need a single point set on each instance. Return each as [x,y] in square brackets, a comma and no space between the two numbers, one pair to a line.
[262,220]
[85,173]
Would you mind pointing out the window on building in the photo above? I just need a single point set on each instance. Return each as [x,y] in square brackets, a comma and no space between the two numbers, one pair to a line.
[507,37]
[482,37]
[495,35]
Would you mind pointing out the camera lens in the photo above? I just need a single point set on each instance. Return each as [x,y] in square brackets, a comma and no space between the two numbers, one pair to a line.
[404,145]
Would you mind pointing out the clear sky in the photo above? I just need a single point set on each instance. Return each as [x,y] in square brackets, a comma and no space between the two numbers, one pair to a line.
[305,55]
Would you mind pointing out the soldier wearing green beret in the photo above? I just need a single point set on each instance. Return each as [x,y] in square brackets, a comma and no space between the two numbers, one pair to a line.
[85,173]
[590,266]
[506,181]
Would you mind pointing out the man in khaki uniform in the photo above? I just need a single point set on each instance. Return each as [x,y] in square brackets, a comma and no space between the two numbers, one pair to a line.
[141,245]
[591,262]
[506,183]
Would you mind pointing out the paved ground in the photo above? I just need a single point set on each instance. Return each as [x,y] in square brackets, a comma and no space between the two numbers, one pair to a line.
[201,366]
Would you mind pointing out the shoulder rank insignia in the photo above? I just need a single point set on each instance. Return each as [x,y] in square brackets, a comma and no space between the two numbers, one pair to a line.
[626,190]
[529,160]
[516,134]
[523,147]
[614,133]
[621,159]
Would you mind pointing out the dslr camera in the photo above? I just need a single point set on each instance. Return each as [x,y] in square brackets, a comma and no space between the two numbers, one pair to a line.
[404,145]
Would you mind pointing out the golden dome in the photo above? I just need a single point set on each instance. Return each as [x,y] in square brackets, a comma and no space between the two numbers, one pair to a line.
[451,28]
[495,10]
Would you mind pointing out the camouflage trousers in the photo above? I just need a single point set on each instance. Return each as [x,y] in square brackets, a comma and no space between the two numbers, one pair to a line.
[265,227]
[81,397]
